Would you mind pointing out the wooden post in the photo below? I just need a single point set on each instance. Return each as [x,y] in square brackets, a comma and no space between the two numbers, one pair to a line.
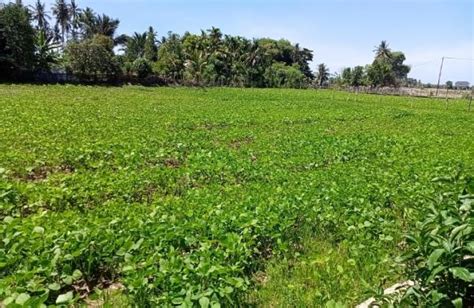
[447,89]
[439,76]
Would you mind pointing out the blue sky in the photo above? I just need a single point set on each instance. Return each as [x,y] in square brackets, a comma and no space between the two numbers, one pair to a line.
[341,32]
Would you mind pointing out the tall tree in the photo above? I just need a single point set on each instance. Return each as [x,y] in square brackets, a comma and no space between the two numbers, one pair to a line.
[74,12]
[63,18]
[57,33]
[215,38]
[86,22]
[322,75]
[357,76]
[151,50]
[40,15]
[171,58]
[17,40]
[387,68]
[346,76]
[91,25]
[399,69]
[382,51]
[380,74]
[135,46]
[105,25]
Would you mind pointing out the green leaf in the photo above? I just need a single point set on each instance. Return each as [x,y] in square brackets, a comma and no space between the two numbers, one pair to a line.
[228,290]
[470,185]
[204,302]
[77,274]
[128,268]
[39,230]
[7,301]
[54,286]
[435,272]
[470,247]
[64,298]
[68,280]
[461,273]
[457,302]
[433,258]
[437,296]
[137,244]
[22,298]
[334,304]
[42,298]
[460,231]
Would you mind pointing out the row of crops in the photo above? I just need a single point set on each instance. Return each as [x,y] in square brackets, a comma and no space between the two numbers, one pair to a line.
[182,197]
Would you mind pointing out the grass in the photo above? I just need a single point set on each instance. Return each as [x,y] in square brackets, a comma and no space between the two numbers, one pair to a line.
[216,196]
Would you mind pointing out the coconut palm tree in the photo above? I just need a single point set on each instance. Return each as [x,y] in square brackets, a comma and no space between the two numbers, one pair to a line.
[296,53]
[383,52]
[135,46]
[74,13]
[56,33]
[236,49]
[106,25]
[151,48]
[215,37]
[40,16]
[86,22]
[322,75]
[91,24]
[63,18]
[302,57]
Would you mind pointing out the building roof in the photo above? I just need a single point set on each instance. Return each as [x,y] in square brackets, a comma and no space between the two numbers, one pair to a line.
[462,84]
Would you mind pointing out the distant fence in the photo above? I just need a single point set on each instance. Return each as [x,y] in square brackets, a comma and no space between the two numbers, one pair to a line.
[49,77]
[65,77]
[406,91]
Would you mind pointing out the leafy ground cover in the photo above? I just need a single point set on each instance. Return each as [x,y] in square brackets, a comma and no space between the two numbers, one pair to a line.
[217,196]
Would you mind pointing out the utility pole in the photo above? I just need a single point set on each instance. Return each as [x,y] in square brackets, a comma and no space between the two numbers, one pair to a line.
[439,76]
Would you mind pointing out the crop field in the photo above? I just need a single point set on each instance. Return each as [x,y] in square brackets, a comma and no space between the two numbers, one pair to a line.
[217,197]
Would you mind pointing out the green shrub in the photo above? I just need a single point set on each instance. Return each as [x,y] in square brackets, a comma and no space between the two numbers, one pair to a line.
[280,75]
[440,256]
[92,60]
[141,68]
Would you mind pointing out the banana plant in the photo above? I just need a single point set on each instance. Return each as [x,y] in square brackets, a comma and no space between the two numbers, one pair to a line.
[46,51]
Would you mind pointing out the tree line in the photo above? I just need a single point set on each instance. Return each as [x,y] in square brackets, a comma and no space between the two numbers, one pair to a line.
[387,69]
[86,45]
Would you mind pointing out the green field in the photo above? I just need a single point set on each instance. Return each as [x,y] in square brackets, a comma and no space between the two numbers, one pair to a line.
[175,196]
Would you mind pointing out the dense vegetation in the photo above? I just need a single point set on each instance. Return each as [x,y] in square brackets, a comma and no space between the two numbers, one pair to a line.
[87,47]
[229,196]
[387,69]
